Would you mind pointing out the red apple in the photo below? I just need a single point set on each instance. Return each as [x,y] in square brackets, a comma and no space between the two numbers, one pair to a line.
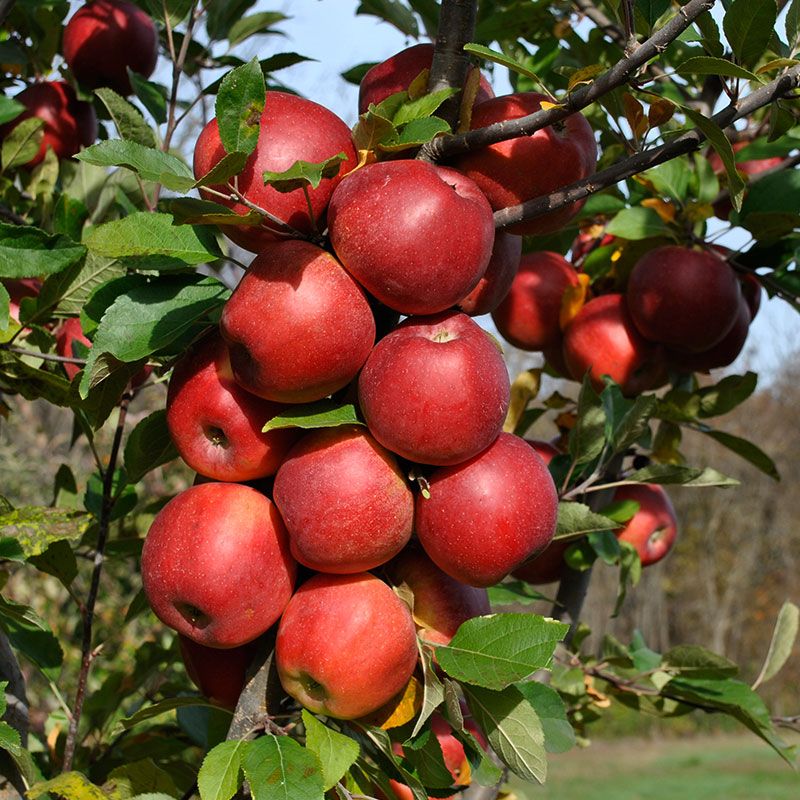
[435,390]
[515,170]
[497,279]
[346,645]
[585,242]
[298,327]
[69,123]
[216,565]
[547,451]
[751,291]
[344,500]
[683,298]
[104,39]
[545,567]
[292,129]
[68,332]
[416,236]
[654,527]
[487,516]
[215,424]
[18,290]
[529,315]
[603,340]
[441,603]
[220,675]
[396,74]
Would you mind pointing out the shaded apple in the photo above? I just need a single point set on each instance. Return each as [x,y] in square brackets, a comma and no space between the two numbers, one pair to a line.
[292,129]
[18,289]
[515,170]
[654,527]
[216,565]
[340,663]
[486,517]
[435,390]
[545,567]
[386,227]
[497,279]
[298,327]
[345,502]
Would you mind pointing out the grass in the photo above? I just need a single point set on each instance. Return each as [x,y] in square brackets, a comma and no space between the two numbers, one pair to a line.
[697,768]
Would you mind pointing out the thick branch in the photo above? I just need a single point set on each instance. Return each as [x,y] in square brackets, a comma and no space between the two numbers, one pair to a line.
[618,75]
[686,143]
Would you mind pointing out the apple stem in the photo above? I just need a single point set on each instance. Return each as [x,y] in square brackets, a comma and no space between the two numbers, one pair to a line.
[310,209]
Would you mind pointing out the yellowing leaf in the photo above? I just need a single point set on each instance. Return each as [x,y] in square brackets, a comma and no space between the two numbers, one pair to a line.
[634,113]
[419,86]
[562,29]
[69,785]
[777,63]
[468,96]
[400,709]
[524,388]
[546,105]
[698,212]
[663,208]
[584,75]
[660,111]
[573,300]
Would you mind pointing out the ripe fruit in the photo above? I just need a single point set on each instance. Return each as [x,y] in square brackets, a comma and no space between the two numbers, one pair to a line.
[219,674]
[515,170]
[487,516]
[69,332]
[292,129]
[529,315]
[215,424]
[344,500]
[545,567]
[435,390]
[104,39]
[545,450]
[340,663]
[441,603]
[396,74]
[683,298]
[298,327]
[654,527]
[386,227]
[497,279]
[18,290]
[69,123]
[603,340]
[216,565]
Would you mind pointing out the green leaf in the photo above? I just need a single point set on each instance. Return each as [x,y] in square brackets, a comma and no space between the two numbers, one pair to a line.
[154,240]
[634,424]
[59,561]
[220,777]
[778,193]
[372,129]
[323,414]
[670,179]
[9,738]
[70,786]
[240,103]
[335,751]
[31,636]
[576,519]
[35,528]
[149,446]
[153,96]
[421,108]
[28,252]
[147,162]
[637,223]
[793,23]
[68,291]
[304,173]
[220,16]
[162,707]
[748,26]
[5,308]
[392,11]
[558,733]
[414,134]
[747,450]
[193,211]
[424,754]
[487,54]
[23,143]
[696,662]
[498,650]
[511,593]
[706,65]
[783,639]
[9,109]
[677,473]
[246,27]
[230,165]
[726,395]
[512,728]
[587,438]
[278,768]
[651,10]
[129,122]
[433,689]
[140,778]
[69,216]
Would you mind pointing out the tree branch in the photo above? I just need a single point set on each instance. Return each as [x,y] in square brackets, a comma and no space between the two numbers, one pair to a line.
[449,146]
[686,143]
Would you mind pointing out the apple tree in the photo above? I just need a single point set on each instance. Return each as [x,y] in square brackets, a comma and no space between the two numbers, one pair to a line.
[334,514]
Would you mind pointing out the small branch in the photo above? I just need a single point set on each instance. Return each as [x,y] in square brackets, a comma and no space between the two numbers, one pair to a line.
[618,75]
[88,653]
[21,351]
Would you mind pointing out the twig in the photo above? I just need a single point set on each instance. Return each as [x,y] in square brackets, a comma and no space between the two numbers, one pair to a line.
[21,351]
[449,146]
[88,653]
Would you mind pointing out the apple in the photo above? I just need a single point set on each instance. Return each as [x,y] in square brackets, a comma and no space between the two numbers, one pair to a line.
[397,73]
[216,565]
[220,675]
[69,123]
[602,340]
[515,170]
[683,298]
[545,567]
[487,516]
[215,424]
[346,645]
[497,279]
[298,327]
[292,129]
[529,316]
[416,236]
[654,527]
[441,603]
[435,390]
[751,291]
[18,289]
[345,502]
[106,38]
